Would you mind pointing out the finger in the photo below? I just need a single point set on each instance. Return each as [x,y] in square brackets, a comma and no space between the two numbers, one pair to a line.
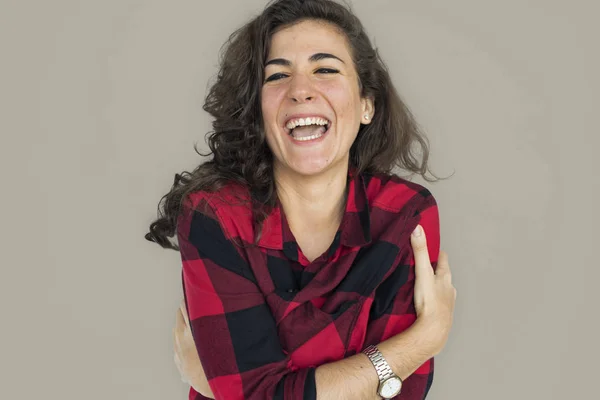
[180,368]
[443,267]
[177,357]
[421,254]
[180,325]
[177,362]
[184,312]
[176,340]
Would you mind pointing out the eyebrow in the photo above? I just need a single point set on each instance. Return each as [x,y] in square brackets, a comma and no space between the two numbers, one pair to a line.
[315,57]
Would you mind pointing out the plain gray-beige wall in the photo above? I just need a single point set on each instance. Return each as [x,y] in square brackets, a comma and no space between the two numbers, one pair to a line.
[101,104]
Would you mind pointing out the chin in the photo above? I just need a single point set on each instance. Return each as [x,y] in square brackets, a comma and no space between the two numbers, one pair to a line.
[313,167]
[309,171]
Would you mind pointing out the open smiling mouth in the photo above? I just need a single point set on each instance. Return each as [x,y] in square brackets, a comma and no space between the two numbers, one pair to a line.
[305,129]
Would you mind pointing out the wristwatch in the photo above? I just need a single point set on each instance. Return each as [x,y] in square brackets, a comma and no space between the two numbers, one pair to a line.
[390,384]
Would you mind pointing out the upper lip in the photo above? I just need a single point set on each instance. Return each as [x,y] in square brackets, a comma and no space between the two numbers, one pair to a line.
[303,115]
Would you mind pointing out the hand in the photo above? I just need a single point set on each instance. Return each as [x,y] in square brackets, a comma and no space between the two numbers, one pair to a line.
[434,294]
[186,355]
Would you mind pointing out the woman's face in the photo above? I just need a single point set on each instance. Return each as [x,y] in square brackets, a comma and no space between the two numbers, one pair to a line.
[311,103]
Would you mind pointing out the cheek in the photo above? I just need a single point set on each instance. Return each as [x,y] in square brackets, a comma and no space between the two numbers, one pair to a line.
[269,107]
[343,99]
[270,100]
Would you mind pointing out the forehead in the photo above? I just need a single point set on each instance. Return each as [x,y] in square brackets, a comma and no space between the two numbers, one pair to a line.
[309,36]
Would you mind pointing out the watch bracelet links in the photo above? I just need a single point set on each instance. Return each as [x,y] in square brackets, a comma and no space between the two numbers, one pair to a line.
[381,366]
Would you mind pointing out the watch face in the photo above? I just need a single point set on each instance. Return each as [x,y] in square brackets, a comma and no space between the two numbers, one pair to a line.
[391,387]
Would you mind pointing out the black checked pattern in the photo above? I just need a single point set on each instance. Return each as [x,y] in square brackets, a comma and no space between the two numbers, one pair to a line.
[264,318]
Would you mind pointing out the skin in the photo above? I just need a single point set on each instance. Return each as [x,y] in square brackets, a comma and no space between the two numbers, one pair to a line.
[311,176]
[328,87]
[310,180]
[185,354]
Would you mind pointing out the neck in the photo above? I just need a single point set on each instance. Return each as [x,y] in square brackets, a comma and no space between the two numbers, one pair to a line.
[312,202]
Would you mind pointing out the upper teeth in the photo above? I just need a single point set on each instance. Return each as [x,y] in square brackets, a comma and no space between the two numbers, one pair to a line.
[306,121]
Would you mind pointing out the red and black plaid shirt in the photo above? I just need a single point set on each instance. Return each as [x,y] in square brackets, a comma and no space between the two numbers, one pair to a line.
[264,317]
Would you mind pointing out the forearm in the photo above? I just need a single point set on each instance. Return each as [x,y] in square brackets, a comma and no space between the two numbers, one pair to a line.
[355,377]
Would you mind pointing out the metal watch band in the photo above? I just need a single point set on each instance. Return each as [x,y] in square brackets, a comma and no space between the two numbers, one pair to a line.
[383,369]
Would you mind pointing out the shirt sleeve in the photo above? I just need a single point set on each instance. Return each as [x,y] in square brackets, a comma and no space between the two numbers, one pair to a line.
[232,326]
[393,309]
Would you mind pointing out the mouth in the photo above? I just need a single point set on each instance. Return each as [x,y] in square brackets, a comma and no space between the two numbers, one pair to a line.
[303,129]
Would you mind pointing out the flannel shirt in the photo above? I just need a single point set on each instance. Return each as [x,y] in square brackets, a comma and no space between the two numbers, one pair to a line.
[263,317]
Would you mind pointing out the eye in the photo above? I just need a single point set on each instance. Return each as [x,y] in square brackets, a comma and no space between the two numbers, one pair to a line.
[275,77]
[327,71]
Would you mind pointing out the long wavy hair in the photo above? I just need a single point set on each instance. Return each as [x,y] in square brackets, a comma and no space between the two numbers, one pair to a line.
[237,143]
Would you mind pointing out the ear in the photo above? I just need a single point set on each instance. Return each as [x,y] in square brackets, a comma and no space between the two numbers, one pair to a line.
[367,106]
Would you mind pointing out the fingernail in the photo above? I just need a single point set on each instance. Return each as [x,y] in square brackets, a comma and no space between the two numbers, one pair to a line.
[417,232]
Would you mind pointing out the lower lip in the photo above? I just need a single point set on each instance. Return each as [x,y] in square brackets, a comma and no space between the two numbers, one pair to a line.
[311,141]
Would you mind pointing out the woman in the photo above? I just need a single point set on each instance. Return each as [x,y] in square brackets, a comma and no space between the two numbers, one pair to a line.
[298,273]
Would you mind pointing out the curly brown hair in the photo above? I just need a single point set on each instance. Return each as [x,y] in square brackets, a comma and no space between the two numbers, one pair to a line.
[237,141]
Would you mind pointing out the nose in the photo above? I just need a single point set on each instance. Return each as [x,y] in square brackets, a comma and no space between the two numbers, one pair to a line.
[301,90]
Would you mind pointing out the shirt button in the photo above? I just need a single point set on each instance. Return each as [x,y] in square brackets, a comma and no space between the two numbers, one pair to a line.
[291,290]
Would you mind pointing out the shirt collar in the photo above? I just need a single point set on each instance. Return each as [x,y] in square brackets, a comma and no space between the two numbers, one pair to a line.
[354,231]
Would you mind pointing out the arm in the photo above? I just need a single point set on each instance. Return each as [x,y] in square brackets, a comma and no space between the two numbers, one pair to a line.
[393,323]
[233,330]
[393,310]
[186,356]
[355,378]
[208,299]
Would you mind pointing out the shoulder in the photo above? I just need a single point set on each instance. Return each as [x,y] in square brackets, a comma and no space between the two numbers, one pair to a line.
[395,194]
[229,205]
[231,197]
[397,206]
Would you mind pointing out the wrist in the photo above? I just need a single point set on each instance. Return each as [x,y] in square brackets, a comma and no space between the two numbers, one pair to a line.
[428,335]
[408,350]
[390,384]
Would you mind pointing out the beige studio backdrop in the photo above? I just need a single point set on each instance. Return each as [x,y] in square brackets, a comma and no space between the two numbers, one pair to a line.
[101,105]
